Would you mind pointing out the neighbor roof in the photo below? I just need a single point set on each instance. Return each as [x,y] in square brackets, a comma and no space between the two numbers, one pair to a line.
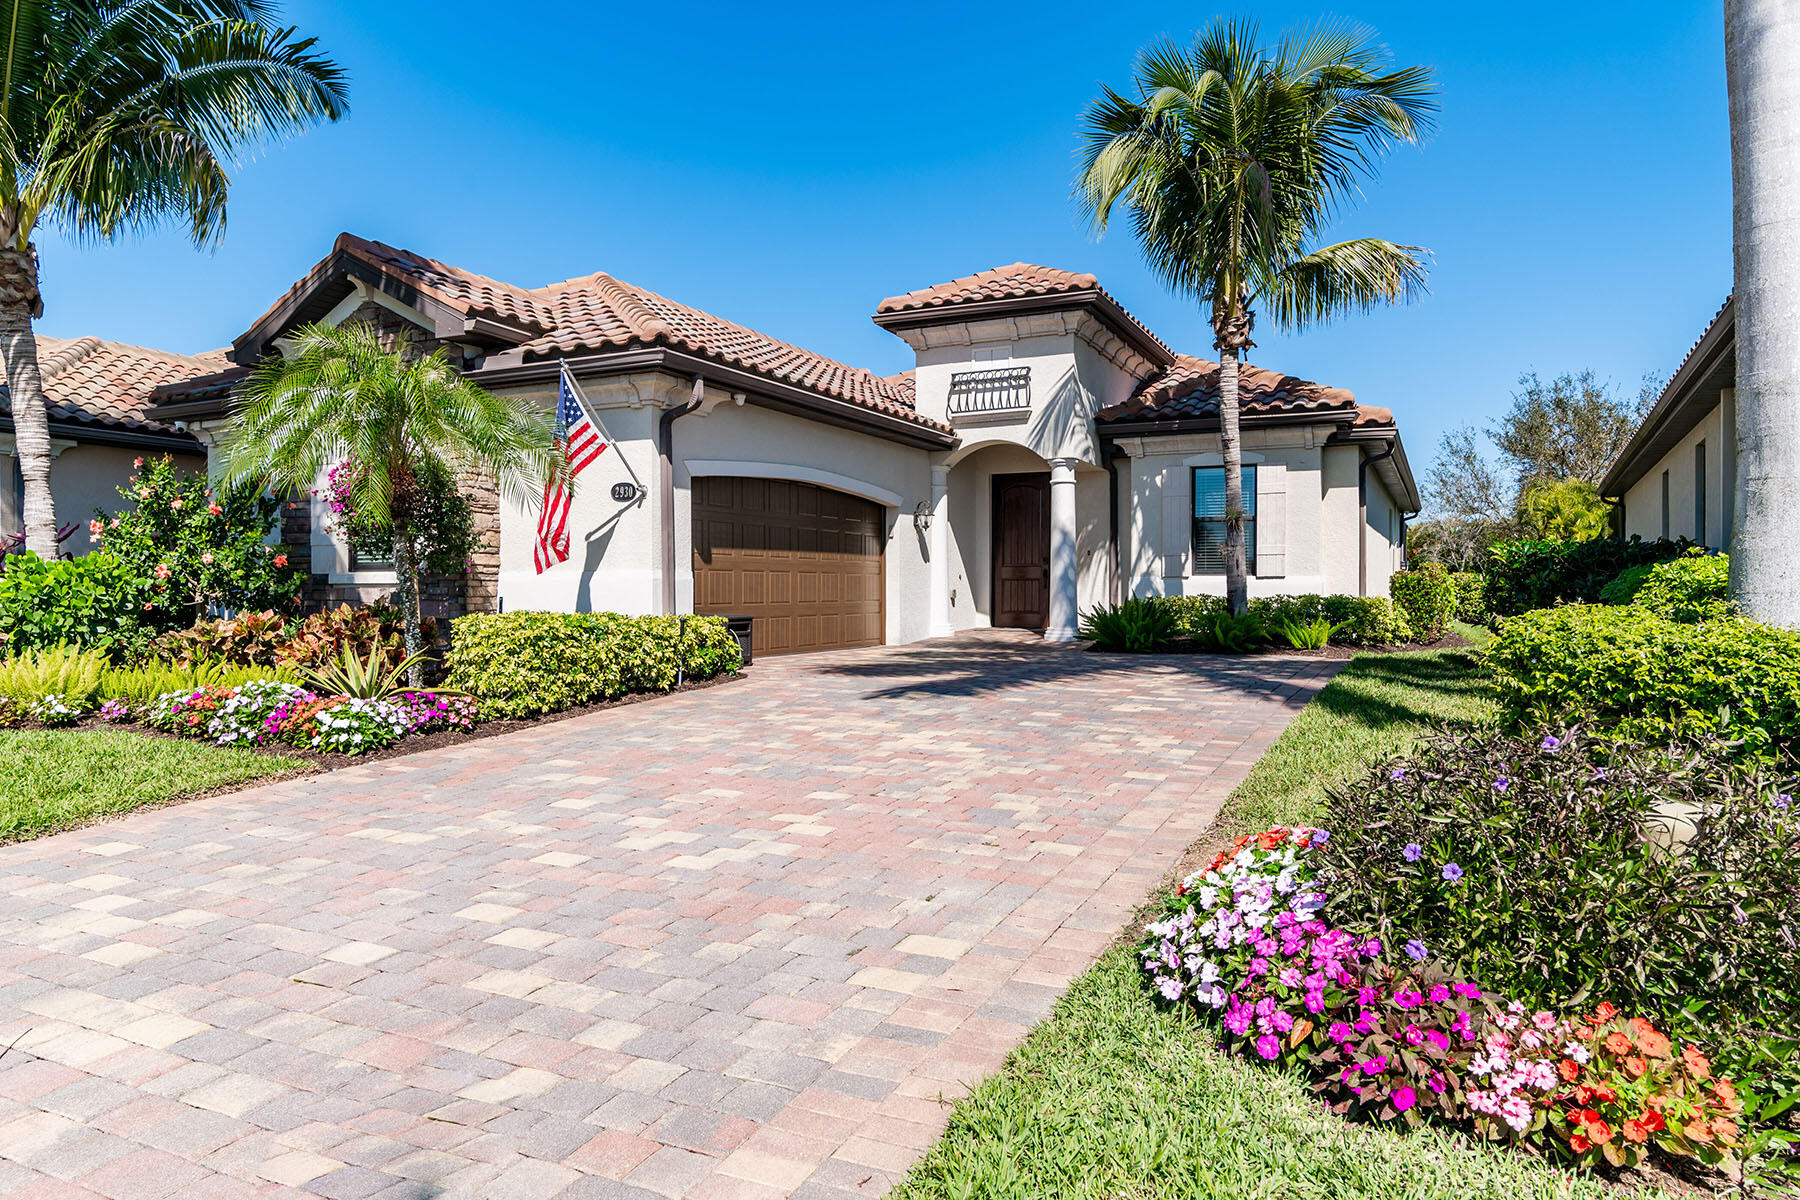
[1692,392]
[590,313]
[102,385]
[1189,390]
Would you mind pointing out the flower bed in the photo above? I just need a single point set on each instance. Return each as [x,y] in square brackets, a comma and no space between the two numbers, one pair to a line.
[271,712]
[1388,1031]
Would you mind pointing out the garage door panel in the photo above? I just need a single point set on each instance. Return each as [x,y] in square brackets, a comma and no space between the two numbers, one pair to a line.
[804,561]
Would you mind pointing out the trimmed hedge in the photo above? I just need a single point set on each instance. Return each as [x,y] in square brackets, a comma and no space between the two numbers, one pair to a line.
[522,664]
[1630,672]
[94,601]
[1471,596]
[1541,573]
[1428,598]
[1366,620]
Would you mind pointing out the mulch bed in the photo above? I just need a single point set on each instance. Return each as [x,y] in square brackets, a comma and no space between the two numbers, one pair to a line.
[1187,646]
[317,762]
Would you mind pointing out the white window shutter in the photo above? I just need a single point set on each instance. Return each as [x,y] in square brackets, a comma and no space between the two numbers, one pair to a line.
[1271,521]
[1176,544]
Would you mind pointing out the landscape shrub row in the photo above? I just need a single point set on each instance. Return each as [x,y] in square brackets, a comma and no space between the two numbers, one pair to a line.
[1147,623]
[1640,675]
[1535,573]
[1498,935]
[522,664]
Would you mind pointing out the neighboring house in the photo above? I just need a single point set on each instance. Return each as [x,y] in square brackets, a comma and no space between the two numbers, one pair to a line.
[1047,454]
[97,393]
[1677,475]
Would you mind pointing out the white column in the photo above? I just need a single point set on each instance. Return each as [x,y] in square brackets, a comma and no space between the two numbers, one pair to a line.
[941,624]
[1063,617]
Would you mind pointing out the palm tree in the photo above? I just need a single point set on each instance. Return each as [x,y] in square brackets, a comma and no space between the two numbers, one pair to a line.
[340,395]
[1232,159]
[1762,46]
[117,114]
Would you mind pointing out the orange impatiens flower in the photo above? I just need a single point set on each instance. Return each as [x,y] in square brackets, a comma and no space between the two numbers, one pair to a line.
[1727,1095]
[1636,1131]
[1639,1027]
[1699,1131]
[1654,1044]
[1653,1121]
[1635,1067]
[1578,1142]
[1618,1043]
[1604,1013]
[1696,1062]
[1569,1069]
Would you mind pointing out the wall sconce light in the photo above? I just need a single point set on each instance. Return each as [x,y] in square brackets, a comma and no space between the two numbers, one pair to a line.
[922,517]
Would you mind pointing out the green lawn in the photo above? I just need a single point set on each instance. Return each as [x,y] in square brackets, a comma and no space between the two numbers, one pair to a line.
[57,779]
[1114,1098]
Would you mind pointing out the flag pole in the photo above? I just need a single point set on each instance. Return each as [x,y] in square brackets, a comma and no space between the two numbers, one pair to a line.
[581,399]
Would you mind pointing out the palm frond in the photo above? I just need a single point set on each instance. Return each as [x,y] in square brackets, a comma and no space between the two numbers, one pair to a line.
[1346,276]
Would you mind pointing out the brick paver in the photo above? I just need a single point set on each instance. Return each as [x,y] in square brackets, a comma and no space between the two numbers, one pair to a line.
[742,942]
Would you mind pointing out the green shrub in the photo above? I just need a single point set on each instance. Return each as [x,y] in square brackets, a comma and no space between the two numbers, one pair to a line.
[1540,573]
[252,639]
[93,601]
[1543,866]
[1689,589]
[196,547]
[1428,598]
[1224,633]
[66,671]
[1307,635]
[1624,587]
[138,686]
[1138,625]
[522,664]
[1471,596]
[1638,675]
[1362,620]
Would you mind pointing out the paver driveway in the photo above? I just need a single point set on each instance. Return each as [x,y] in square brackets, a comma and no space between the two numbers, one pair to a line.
[737,942]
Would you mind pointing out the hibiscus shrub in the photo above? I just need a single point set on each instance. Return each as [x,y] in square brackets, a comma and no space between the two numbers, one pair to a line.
[197,548]
[1561,871]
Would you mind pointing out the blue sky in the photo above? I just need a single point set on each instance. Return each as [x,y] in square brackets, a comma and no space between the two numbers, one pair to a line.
[787,167]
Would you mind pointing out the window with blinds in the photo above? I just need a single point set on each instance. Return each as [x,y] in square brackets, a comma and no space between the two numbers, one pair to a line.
[1209,520]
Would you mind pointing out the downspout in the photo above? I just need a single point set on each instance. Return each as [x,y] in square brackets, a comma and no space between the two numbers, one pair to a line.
[1110,454]
[1362,518]
[665,450]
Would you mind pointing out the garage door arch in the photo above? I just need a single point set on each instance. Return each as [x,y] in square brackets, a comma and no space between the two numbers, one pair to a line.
[806,561]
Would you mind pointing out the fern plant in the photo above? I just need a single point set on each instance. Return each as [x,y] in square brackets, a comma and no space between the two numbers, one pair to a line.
[1308,635]
[1138,625]
[1231,635]
[137,687]
[65,671]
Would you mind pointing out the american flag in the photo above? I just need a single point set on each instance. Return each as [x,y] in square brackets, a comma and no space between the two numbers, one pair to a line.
[581,444]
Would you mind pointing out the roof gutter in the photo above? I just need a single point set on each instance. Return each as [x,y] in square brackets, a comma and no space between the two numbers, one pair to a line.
[665,452]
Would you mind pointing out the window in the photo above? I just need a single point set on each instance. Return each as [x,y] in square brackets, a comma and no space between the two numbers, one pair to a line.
[1700,493]
[1665,515]
[1209,520]
[990,354]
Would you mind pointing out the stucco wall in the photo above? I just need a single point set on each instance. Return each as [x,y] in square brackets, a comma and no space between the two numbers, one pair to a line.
[1643,502]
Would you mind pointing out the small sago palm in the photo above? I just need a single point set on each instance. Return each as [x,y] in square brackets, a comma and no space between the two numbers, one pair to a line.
[1232,159]
[115,115]
[340,395]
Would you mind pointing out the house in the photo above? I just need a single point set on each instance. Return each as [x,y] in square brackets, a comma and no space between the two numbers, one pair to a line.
[97,393]
[1677,475]
[1046,453]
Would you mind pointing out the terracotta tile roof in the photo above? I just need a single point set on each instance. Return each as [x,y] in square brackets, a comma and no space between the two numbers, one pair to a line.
[999,283]
[1018,281]
[92,381]
[1190,389]
[599,312]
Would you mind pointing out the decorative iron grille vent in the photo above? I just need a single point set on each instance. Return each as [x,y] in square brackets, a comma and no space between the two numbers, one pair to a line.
[1004,389]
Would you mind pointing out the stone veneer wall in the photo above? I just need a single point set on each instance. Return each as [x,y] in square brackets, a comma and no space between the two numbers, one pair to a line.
[440,595]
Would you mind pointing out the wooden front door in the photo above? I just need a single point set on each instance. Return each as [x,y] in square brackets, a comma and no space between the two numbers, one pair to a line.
[1022,551]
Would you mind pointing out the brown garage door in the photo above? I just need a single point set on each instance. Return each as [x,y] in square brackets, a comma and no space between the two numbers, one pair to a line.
[805,561]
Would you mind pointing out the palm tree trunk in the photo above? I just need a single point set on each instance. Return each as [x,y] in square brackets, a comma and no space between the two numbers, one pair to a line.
[1762,46]
[20,303]
[406,575]
[1237,583]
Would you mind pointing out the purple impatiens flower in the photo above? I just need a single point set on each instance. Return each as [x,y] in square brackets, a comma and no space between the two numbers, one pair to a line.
[1413,852]
[1415,950]
[1452,872]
